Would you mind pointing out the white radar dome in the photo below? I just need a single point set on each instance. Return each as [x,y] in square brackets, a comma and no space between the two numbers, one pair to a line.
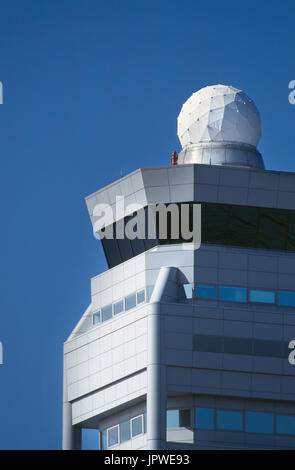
[219,113]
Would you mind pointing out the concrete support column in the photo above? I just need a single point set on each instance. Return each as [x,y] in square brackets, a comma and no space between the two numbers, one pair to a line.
[71,435]
[156,369]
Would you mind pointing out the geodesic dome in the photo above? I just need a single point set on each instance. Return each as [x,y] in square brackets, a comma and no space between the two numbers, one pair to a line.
[219,113]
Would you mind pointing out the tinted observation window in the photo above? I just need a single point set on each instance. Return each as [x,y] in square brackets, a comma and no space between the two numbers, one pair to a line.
[222,224]
[205,418]
[261,423]
[206,292]
[230,420]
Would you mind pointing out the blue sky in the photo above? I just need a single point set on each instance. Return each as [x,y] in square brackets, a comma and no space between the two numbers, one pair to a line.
[92,87]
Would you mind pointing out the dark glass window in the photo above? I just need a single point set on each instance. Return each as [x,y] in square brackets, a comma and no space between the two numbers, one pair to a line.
[130,301]
[118,307]
[268,348]
[272,229]
[234,294]
[206,292]
[138,246]
[234,345]
[285,424]
[244,346]
[222,224]
[144,423]
[111,251]
[261,423]
[125,432]
[106,312]
[230,420]
[262,296]
[136,425]
[184,418]
[208,343]
[179,418]
[125,249]
[286,298]
[140,296]
[204,418]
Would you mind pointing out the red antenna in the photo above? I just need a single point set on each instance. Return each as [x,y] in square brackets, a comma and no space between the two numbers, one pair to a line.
[174,158]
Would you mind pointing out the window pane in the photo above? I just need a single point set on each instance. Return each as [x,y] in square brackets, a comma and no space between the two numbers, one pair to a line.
[237,345]
[184,418]
[262,296]
[286,298]
[112,253]
[204,418]
[106,312]
[206,292]
[96,318]
[172,418]
[149,292]
[137,246]
[136,425]
[118,307]
[285,424]
[104,440]
[234,294]
[208,343]
[231,420]
[267,348]
[113,436]
[125,249]
[259,422]
[130,301]
[188,291]
[144,422]
[125,433]
[140,296]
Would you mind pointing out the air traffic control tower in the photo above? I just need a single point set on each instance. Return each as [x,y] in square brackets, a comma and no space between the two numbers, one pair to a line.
[186,347]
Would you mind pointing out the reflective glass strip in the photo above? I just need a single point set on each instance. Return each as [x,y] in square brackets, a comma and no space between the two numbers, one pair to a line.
[206,292]
[286,298]
[262,296]
[233,294]
[260,423]
[285,424]
[204,418]
[230,420]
